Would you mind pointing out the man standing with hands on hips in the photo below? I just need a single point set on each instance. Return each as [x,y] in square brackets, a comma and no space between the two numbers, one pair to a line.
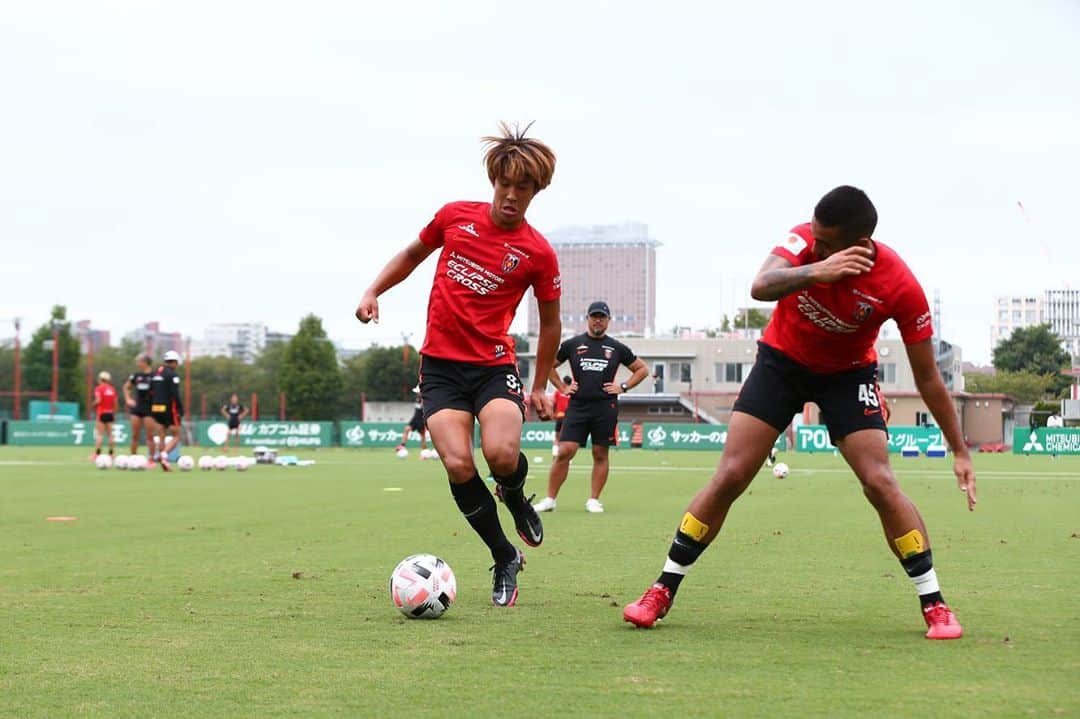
[594,405]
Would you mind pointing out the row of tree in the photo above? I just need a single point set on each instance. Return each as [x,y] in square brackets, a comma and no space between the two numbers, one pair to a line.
[305,370]
[1028,365]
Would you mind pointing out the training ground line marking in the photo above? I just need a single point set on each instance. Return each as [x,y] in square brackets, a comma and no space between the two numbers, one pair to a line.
[60,519]
[899,471]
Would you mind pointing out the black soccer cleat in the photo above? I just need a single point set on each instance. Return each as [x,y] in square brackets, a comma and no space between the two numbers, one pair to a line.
[504,591]
[526,520]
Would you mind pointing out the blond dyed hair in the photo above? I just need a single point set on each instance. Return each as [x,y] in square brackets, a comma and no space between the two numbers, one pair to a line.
[514,156]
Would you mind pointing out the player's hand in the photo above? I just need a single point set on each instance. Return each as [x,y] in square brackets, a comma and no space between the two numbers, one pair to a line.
[854,260]
[612,388]
[130,403]
[541,403]
[965,478]
[368,309]
[571,388]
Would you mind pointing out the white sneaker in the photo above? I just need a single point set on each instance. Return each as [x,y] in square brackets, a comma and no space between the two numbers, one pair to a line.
[547,504]
[594,506]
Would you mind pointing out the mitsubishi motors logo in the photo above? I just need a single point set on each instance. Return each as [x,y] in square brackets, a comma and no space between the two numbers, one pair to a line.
[1033,443]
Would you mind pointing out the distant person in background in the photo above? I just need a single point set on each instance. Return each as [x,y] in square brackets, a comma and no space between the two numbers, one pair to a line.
[233,411]
[593,410]
[104,403]
[1054,420]
[137,401]
[166,407]
[416,424]
[560,401]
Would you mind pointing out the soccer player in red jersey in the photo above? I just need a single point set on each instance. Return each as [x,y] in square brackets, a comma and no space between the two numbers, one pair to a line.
[489,255]
[559,402]
[104,404]
[835,286]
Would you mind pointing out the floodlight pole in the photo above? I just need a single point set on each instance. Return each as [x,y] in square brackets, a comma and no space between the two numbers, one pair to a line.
[55,369]
[18,368]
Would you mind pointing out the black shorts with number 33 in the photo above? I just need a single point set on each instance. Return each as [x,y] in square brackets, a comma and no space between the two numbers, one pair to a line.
[445,384]
[778,387]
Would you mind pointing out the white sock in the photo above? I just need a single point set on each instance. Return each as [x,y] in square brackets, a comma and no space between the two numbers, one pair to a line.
[673,568]
[926,583]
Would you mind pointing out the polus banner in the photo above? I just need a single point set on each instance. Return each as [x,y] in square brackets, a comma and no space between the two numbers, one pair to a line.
[268,434]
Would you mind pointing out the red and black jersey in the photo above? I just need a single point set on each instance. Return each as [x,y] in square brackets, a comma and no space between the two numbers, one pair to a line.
[831,327]
[165,391]
[482,275]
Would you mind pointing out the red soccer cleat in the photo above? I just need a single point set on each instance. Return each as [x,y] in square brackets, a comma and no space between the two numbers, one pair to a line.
[164,464]
[654,604]
[941,622]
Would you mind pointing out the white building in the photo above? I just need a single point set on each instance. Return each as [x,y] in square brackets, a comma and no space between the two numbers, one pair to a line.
[240,340]
[1061,310]
[1012,312]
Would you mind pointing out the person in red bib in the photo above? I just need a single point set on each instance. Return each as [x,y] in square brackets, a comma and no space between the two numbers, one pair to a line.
[104,405]
[559,402]
[834,286]
[489,256]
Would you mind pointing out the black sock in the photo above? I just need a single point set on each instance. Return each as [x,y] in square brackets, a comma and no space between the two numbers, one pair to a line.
[476,503]
[684,551]
[917,565]
[97,450]
[513,485]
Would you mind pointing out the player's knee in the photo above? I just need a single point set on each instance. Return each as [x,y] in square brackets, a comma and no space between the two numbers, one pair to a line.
[880,487]
[727,483]
[503,459]
[459,466]
[566,453]
[600,455]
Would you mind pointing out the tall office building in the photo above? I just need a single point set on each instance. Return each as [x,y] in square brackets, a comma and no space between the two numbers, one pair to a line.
[239,340]
[1061,310]
[614,263]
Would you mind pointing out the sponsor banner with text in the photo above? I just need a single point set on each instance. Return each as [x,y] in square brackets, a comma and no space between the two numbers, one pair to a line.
[1045,440]
[62,434]
[295,434]
[815,438]
[374,434]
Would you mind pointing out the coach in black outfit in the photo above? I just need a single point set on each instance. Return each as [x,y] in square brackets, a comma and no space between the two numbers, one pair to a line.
[594,407]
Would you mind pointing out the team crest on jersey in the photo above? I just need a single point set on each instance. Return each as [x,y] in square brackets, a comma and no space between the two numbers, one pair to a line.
[510,262]
[607,353]
[863,311]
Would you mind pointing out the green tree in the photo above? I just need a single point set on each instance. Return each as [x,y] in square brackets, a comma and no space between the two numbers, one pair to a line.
[266,379]
[725,326]
[751,317]
[37,359]
[1025,387]
[354,385]
[390,373]
[214,379]
[310,376]
[1035,349]
[117,361]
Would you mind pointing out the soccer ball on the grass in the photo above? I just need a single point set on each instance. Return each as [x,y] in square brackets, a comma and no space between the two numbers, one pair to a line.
[241,464]
[185,463]
[402,453]
[206,462]
[422,586]
[137,462]
[103,461]
[780,470]
[121,461]
[221,462]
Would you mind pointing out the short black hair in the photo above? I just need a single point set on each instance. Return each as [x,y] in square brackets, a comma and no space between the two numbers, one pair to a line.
[849,209]
[567,379]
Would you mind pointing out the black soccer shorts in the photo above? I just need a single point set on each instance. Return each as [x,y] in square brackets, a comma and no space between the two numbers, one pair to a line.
[778,387]
[595,418]
[445,384]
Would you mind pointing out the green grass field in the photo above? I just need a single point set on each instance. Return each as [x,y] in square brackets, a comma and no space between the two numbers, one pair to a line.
[264,594]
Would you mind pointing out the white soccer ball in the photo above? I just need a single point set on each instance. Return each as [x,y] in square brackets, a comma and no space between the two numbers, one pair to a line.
[423,587]
[103,461]
[206,462]
[780,470]
[221,462]
[137,462]
[402,453]
[121,462]
[241,464]
[185,463]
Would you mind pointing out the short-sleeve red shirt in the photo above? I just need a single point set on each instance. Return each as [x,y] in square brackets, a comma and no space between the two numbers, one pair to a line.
[561,402]
[482,275]
[833,327]
[105,394]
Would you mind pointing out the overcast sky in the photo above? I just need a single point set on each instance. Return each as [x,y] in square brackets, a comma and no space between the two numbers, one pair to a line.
[232,161]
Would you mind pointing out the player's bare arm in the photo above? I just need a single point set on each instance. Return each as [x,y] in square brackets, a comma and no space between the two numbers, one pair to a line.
[934,393]
[777,277]
[547,344]
[640,372]
[397,269]
[556,380]
[128,401]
